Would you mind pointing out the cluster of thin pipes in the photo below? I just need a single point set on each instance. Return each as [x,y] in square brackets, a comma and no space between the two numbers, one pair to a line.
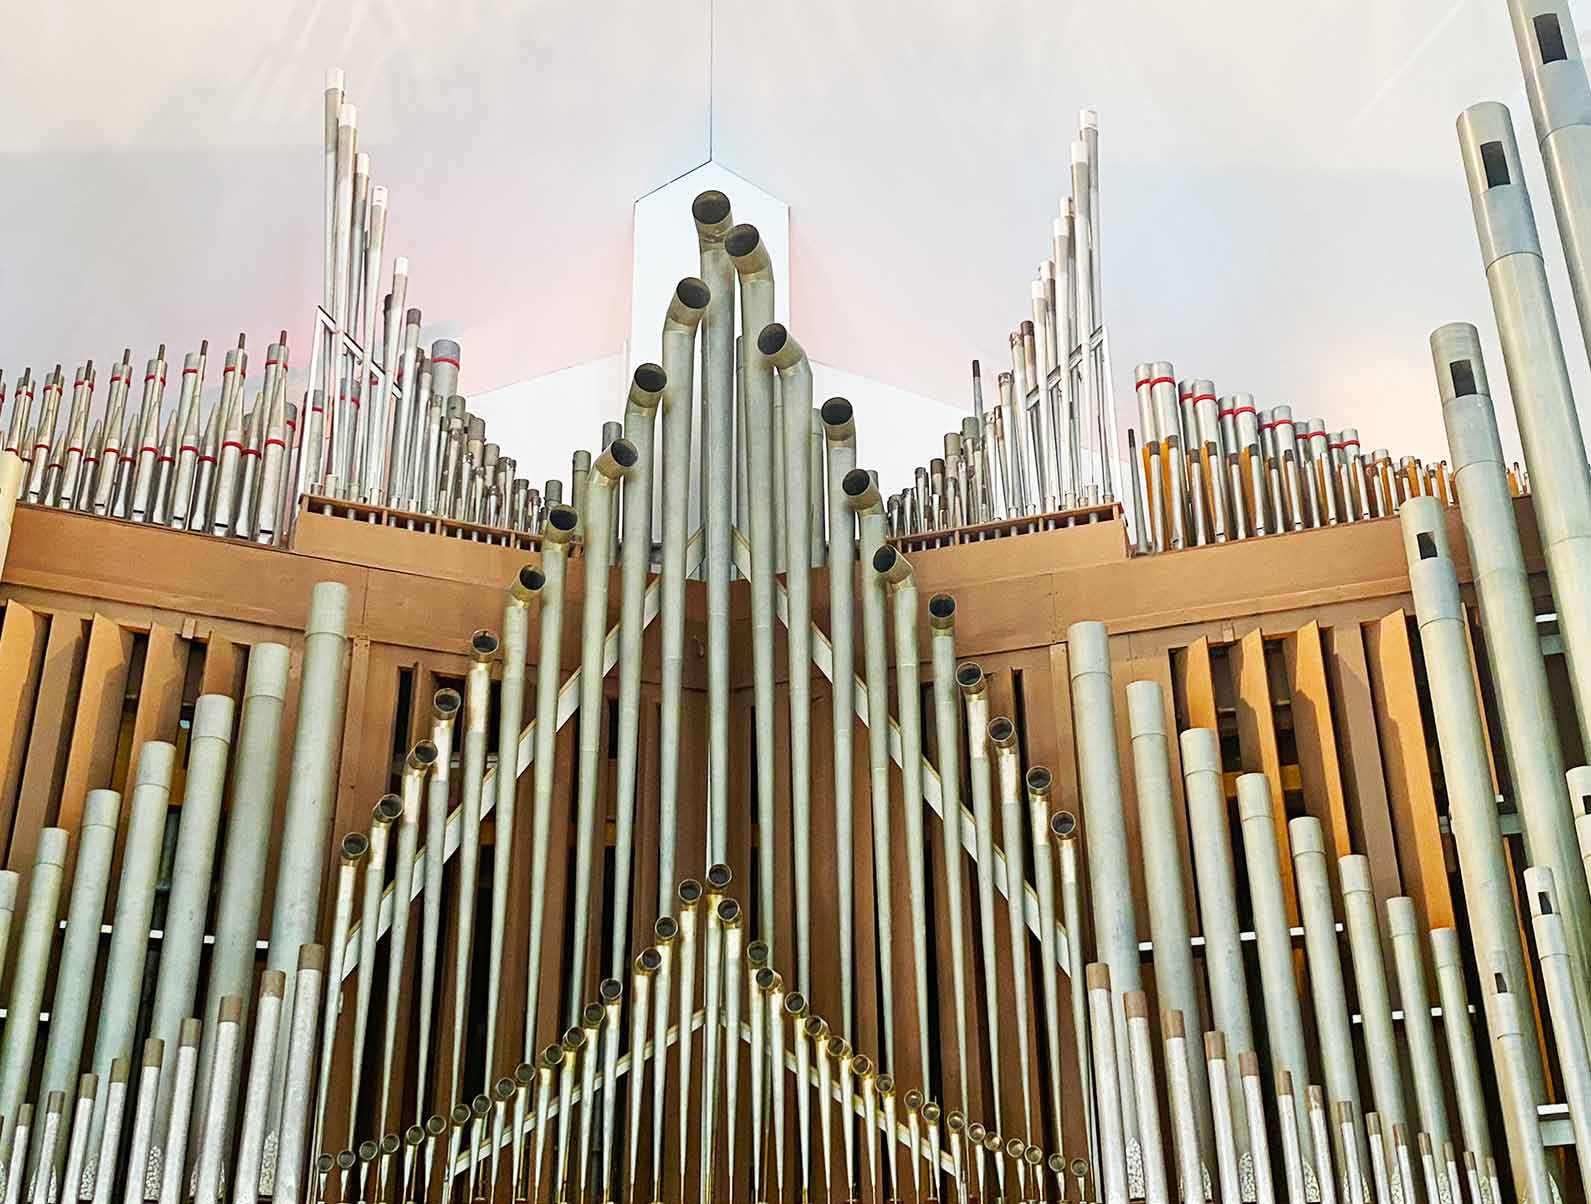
[225,474]
[1217,469]
[1050,444]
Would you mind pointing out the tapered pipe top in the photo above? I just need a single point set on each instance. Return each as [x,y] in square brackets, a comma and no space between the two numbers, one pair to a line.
[1146,708]
[1040,782]
[355,846]
[781,349]
[1002,732]
[710,211]
[646,387]
[861,491]
[1063,825]
[969,676]
[688,304]
[445,704]
[1549,57]
[386,811]
[893,567]
[483,646]
[526,586]
[560,524]
[839,422]
[942,613]
[1503,217]
[748,252]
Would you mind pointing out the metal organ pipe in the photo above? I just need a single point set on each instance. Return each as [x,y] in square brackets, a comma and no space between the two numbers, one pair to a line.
[789,361]
[975,693]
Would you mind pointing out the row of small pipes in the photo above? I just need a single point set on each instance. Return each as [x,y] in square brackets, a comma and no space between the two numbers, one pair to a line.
[1217,469]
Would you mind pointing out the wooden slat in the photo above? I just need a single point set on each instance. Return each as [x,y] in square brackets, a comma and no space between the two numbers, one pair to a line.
[91,757]
[1256,727]
[1405,752]
[1364,787]
[45,766]
[22,643]
[1316,738]
[1198,685]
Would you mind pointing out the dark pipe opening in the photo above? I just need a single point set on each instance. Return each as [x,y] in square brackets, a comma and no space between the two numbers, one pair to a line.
[563,518]
[1463,372]
[1549,38]
[1426,542]
[484,642]
[651,377]
[624,453]
[856,482]
[693,292]
[884,559]
[742,240]
[446,700]
[969,674]
[710,208]
[772,339]
[836,411]
[941,606]
[1496,164]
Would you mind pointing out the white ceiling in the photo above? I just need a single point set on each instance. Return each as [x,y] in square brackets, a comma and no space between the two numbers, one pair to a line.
[1283,207]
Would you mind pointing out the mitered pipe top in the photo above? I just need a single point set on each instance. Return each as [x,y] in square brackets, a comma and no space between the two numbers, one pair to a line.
[861,491]
[892,566]
[1040,782]
[690,892]
[610,990]
[483,645]
[560,524]
[748,252]
[775,342]
[711,213]
[422,756]
[616,461]
[666,930]
[527,584]
[355,845]
[839,422]
[646,385]
[729,913]
[1063,824]
[942,613]
[445,703]
[757,954]
[719,877]
[386,811]
[1002,732]
[689,302]
[648,961]
[969,676]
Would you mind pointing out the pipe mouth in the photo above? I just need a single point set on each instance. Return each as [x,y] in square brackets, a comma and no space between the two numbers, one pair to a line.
[913,1100]
[768,980]
[710,208]
[591,1016]
[757,953]
[387,809]
[369,1149]
[863,1065]
[435,1125]
[838,1047]
[551,1059]
[795,1005]
[527,584]
[690,891]
[524,1075]
[693,293]
[501,1091]
[445,703]
[650,378]
[729,913]
[1063,824]
[1039,781]
[773,338]
[618,459]
[719,876]
[610,991]
[392,1143]
[650,961]
[422,755]
[483,645]
[816,1028]
[969,676]
[355,846]
[1002,732]
[886,1084]
[942,612]
[666,929]
[858,487]
[885,560]
[839,416]
[742,240]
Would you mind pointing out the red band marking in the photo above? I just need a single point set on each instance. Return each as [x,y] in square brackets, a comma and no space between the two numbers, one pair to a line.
[188,447]
[1205,397]
[154,451]
[442,359]
[1244,410]
[251,451]
[78,450]
[207,459]
[149,377]
[164,460]
[274,442]
[231,443]
[190,372]
[1158,380]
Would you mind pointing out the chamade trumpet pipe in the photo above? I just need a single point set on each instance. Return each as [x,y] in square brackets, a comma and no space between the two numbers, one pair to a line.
[975,695]
[445,705]
[1002,734]
[942,645]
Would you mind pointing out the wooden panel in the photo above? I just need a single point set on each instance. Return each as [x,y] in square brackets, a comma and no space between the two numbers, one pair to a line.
[55,706]
[91,756]
[1405,753]
[1198,685]
[1364,787]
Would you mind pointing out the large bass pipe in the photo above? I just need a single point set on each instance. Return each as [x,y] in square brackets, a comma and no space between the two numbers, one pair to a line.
[862,493]
[755,271]
[613,466]
[713,224]
[840,435]
[649,388]
[1508,617]
[557,532]
[789,361]
[691,300]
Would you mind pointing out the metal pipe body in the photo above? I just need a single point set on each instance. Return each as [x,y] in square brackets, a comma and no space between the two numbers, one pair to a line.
[28,980]
[1176,980]
[1574,1055]
[1418,1034]
[1112,1166]
[613,466]
[1099,780]
[1467,1086]
[1002,734]
[298,1090]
